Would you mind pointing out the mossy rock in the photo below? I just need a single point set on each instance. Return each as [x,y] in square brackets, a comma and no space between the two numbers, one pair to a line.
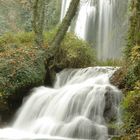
[118,78]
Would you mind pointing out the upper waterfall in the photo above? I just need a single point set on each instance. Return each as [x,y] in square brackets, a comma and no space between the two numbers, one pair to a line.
[103,23]
[79,106]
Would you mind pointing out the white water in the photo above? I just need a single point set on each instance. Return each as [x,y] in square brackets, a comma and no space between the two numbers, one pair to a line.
[74,108]
[102,23]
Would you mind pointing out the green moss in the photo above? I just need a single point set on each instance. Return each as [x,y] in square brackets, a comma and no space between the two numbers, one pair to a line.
[133,72]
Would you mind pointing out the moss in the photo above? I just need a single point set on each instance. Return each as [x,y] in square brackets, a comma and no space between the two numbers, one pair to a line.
[23,64]
[75,53]
[132,52]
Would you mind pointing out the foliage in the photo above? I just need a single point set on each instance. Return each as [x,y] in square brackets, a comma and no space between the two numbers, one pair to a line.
[134,28]
[73,52]
[21,64]
[135,55]
[111,62]
[131,114]
[133,72]
[130,103]
[118,78]
[132,51]
[16,15]
[77,53]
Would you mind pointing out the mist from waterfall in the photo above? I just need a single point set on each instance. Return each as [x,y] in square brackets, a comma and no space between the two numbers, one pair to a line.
[103,23]
[79,106]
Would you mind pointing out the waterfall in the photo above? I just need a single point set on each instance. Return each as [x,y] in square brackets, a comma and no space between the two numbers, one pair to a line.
[65,5]
[104,42]
[79,106]
[103,23]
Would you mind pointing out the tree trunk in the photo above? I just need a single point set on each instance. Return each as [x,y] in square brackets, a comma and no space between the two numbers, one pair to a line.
[38,21]
[63,28]
[65,23]
[52,50]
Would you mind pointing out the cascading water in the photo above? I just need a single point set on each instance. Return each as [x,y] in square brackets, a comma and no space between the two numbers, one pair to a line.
[102,23]
[79,106]
[65,5]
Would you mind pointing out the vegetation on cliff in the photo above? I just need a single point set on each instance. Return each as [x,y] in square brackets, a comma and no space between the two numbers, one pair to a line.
[24,65]
[131,79]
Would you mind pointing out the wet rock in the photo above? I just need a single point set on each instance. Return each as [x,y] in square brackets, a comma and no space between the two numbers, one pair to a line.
[117,79]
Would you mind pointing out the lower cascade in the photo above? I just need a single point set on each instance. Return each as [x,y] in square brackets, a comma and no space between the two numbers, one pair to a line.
[80,106]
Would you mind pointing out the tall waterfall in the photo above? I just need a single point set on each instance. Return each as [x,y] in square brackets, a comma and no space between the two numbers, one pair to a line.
[103,23]
[79,106]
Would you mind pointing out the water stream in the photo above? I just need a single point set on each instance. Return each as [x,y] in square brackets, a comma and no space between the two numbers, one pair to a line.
[79,106]
[103,23]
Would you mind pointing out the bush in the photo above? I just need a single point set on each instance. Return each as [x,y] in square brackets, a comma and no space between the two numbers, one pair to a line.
[135,55]
[73,52]
[21,66]
[131,109]
[133,72]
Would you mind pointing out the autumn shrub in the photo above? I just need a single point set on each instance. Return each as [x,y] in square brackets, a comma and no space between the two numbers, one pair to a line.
[21,65]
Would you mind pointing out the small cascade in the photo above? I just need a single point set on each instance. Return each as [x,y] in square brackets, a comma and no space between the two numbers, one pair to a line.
[79,106]
[103,23]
